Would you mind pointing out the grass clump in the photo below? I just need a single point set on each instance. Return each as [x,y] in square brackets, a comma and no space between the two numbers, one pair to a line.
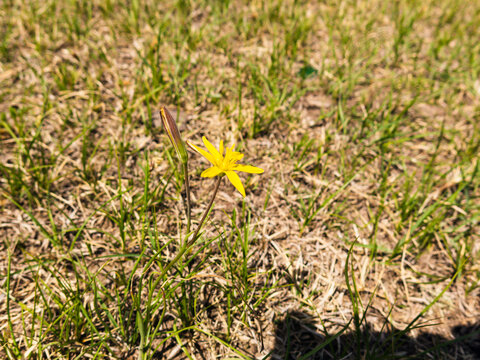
[359,241]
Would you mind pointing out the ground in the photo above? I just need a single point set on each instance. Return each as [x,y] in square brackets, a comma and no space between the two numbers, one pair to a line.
[359,241]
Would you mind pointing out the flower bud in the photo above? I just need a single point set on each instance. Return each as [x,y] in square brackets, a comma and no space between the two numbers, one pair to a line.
[173,134]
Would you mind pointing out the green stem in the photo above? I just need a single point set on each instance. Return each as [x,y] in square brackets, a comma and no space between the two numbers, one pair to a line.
[188,244]
[207,210]
[140,324]
[187,191]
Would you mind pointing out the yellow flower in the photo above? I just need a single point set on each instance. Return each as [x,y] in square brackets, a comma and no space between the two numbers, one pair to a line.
[225,164]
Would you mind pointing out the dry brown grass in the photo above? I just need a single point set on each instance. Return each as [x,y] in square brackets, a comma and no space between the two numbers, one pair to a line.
[384,131]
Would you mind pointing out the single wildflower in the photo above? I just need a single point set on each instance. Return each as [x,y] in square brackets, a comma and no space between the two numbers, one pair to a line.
[171,128]
[224,164]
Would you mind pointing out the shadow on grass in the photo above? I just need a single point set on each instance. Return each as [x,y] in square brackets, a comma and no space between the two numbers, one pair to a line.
[297,338]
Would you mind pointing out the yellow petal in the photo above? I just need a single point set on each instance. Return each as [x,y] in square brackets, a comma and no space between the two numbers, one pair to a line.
[235,180]
[220,150]
[235,155]
[232,156]
[205,154]
[248,169]
[211,172]
[212,149]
